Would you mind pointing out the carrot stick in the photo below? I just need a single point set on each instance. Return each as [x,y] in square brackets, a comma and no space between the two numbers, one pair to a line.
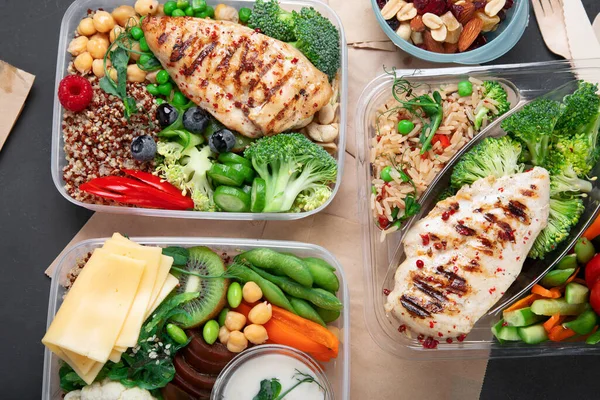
[593,230]
[580,281]
[559,333]
[553,293]
[572,277]
[553,321]
[524,302]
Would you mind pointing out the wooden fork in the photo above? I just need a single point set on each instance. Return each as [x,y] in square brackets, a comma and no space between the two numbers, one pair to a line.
[550,17]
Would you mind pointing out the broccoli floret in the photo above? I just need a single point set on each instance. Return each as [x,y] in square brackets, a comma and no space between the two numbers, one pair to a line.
[563,176]
[533,125]
[186,169]
[272,20]
[491,157]
[581,110]
[312,198]
[448,192]
[495,93]
[318,39]
[564,214]
[290,164]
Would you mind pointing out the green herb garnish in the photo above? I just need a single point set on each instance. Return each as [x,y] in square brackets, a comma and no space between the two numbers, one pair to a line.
[180,254]
[271,389]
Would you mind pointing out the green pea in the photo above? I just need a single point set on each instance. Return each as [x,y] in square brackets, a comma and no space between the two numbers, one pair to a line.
[162,76]
[405,127]
[153,89]
[244,14]
[177,334]
[144,45]
[234,295]
[170,6]
[179,99]
[222,316]
[145,59]
[584,249]
[386,174]
[178,13]
[210,12]
[136,32]
[159,101]
[210,332]
[465,88]
[183,4]
[198,5]
[189,11]
[165,89]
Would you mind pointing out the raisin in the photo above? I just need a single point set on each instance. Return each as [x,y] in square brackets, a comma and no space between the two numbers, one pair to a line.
[437,7]
[393,23]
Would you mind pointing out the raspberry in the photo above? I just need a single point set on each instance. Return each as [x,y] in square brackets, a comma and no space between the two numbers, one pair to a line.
[437,7]
[75,93]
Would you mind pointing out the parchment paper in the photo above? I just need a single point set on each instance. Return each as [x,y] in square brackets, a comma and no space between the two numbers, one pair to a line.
[14,88]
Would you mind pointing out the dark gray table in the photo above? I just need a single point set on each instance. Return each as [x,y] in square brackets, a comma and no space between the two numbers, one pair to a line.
[36,222]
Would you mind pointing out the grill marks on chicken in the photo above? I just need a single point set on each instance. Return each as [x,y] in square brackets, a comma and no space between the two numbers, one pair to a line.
[250,82]
[469,249]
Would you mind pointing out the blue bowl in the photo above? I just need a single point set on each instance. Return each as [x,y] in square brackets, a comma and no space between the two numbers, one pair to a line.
[499,42]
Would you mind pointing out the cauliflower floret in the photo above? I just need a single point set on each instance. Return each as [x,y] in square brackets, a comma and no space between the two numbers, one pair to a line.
[74,395]
[109,390]
[136,393]
[112,390]
[92,392]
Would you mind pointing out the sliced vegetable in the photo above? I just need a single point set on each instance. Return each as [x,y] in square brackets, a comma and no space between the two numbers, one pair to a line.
[247,173]
[584,323]
[550,307]
[497,328]
[584,249]
[509,333]
[576,293]
[568,261]
[524,302]
[258,195]
[553,293]
[556,277]
[153,181]
[232,199]
[592,271]
[554,320]
[522,317]
[232,158]
[223,174]
[559,333]
[593,338]
[533,334]
[593,231]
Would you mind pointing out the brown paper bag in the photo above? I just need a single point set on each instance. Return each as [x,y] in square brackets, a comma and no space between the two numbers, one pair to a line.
[14,88]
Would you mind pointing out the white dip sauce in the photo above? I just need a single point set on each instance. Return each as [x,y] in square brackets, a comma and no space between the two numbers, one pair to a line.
[245,382]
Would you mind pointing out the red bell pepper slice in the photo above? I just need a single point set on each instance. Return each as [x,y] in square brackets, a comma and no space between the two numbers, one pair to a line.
[443,139]
[121,198]
[153,181]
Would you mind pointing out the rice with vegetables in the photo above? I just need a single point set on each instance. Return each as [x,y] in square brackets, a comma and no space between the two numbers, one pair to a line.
[407,172]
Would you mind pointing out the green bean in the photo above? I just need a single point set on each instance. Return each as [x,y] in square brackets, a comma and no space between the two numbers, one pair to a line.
[305,310]
[234,295]
[322,276]
[268,259]
[176,333]
[271,291]
[327,315]
[210,331]
[319,297]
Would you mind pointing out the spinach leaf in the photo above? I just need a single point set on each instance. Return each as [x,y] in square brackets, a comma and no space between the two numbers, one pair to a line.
[269,389]
[108,86]
[180,254]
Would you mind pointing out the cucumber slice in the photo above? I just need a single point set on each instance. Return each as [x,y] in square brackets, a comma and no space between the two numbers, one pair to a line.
[496,330]
[241,143]
[247,189]
[232,158]
[522,317]
[225,175]
[258,195]
[533,334]
[550,307]
[213,126]
[509,333]
[568,261]
[232,199]
[556,277]
[594,338]
[246,171]
[576,293]
[583,324]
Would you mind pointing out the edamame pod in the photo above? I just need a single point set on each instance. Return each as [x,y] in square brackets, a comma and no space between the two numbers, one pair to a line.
[305,310]
[271,292]
[320,262]
[322,276]
[327,315]
[268,259]
[318,297]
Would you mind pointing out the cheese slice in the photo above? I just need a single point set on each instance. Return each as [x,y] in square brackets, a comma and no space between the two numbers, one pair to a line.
[94,310]
[83,363]
[170,284]
[88,377]
[115,355]
[166,263]
[128,336]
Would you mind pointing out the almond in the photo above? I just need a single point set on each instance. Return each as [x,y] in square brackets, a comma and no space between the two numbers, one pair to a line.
[470,32]
[416,24]
[450,48]
[464,11]
[431,44]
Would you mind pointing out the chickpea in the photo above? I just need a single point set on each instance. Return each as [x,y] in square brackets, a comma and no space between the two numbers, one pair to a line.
[151,76]
[256,334]
[146,7]
[223,335]
[234,321]
[237,342]
[251,292]
[113,74]
[83,62]
[135,74]
[86,27]
[78,45]
[135,56]
[226,13]
[103,21]
[97,48]
[260,313]
[102,37]
[161,10]
[98,67]
[122,14]
[115,32]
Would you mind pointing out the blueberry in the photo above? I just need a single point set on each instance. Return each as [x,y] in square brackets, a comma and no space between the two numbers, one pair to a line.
[221,141]
[195,120]
[143,148]
[166,114]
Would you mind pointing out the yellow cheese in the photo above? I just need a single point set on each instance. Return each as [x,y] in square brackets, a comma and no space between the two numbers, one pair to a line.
[94,311]
[128,336]
[170,284]
[120,238]
[83,363]
[87,377]
[166,263]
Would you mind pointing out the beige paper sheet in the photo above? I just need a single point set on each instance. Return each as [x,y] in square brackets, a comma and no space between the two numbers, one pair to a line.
[374,374]
[14,88]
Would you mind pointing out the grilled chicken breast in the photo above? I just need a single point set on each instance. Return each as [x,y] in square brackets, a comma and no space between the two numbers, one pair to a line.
[470,248]
[251,83]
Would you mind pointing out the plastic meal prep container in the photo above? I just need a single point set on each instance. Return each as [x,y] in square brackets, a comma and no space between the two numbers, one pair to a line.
[337,370]
[71,19]
[524,82]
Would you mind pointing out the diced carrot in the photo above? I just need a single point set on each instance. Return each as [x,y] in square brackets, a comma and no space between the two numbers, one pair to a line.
[553,293]
[553,321]
[524,302]
[593,230]
[559,333]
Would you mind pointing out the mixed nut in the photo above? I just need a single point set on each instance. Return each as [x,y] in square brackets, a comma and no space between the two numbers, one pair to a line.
[444,26]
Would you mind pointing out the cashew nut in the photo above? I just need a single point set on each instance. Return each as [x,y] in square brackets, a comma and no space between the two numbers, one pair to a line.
[331,148]
[323,133]
[327,114]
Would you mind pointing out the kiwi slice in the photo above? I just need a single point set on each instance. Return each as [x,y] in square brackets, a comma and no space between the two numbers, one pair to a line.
[212,299]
